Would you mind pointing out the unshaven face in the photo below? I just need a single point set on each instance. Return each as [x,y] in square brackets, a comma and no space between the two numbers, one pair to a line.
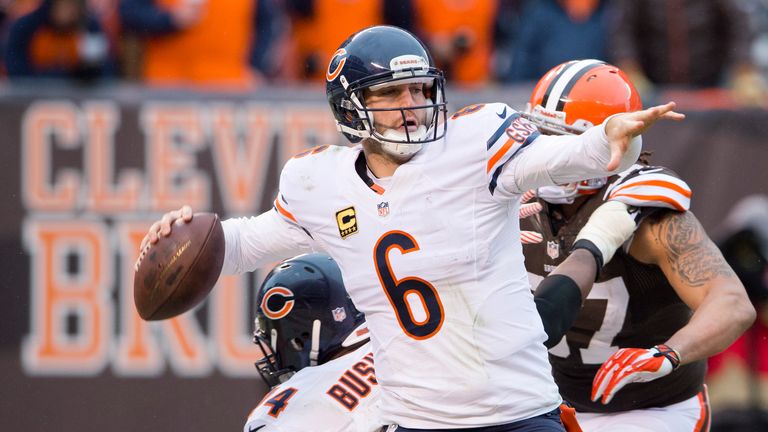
[398,96]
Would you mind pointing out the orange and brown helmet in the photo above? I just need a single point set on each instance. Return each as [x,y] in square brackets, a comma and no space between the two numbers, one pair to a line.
[578,94]
[571,98]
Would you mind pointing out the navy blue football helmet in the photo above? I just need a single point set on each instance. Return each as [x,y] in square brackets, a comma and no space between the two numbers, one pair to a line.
[378,57]
[304,317]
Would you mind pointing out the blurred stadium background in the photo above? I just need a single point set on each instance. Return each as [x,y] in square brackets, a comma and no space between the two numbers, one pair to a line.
[113,112]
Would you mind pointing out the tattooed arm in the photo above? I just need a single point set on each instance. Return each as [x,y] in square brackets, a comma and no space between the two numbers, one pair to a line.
[694,266]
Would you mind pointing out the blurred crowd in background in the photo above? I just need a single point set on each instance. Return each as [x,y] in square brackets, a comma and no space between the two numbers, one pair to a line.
[718,45]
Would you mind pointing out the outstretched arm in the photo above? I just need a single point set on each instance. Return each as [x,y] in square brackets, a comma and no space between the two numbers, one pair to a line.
[604,149]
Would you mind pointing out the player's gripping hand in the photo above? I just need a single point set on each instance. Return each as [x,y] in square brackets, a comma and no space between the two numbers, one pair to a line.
[162,228]
[630,365]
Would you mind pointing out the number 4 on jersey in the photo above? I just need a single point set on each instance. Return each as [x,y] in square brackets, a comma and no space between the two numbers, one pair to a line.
[279,401]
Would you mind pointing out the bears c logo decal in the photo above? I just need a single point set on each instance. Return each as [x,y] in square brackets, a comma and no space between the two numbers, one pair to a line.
[284,296]
[331,75]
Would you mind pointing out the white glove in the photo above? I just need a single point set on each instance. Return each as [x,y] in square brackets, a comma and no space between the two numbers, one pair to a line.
[609,226]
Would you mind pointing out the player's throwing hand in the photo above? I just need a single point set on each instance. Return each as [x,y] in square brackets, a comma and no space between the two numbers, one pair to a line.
[621,128]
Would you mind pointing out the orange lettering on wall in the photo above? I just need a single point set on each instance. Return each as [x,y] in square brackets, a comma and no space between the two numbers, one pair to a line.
[71,308]
[104,196]
[232,326]
[137,350]
[45,125]
[241,155]
[182,337]
[307,127]
[174,135]
[187,346]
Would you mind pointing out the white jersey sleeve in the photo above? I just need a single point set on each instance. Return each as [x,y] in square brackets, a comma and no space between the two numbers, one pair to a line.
[274,235]
[339,396]
[561,159]
[257,241]
[512,134]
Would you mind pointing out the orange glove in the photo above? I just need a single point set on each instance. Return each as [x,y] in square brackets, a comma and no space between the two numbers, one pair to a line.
[629,365]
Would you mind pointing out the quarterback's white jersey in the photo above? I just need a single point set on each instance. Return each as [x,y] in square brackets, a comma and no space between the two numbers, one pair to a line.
[432,261]
[339,396]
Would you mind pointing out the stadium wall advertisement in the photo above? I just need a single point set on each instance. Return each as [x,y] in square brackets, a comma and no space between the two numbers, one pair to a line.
[84,175]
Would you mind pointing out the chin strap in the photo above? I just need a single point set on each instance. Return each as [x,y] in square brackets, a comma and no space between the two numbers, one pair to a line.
[314,351]
[273,340]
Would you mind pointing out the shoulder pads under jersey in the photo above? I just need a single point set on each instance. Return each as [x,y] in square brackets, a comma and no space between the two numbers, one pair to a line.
[650,186]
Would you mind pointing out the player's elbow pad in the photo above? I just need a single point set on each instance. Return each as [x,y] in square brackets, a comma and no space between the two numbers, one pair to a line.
[558,300]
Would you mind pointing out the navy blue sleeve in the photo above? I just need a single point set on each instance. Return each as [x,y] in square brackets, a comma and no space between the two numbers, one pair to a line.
[142,16]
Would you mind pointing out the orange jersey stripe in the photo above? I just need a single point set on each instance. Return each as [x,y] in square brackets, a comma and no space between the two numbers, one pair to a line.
[499,154]
[283,211]
[661,183]
[661,198]
[378,189]
[703,424]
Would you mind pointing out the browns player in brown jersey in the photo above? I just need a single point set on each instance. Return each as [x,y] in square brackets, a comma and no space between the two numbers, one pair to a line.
[634,358]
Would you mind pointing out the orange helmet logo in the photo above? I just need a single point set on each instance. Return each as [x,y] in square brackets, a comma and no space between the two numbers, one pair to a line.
[288,298]
[331,75]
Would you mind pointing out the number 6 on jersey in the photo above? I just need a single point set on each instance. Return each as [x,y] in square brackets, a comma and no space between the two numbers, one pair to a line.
[402,293]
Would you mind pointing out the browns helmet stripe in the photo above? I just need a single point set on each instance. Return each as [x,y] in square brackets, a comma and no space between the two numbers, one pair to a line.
[551,85]
[564,82]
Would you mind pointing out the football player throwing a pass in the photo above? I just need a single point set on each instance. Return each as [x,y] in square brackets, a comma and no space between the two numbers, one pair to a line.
[419,215]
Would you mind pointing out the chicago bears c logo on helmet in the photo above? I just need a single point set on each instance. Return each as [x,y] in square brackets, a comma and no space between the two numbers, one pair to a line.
[278,295]
[331,75]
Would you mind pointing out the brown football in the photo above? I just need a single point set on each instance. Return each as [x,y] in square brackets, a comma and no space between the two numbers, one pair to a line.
[180,270]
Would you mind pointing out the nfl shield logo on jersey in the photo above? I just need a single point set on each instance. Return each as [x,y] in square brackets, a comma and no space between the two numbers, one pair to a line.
[383,208]
[553,249]
[339,314]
